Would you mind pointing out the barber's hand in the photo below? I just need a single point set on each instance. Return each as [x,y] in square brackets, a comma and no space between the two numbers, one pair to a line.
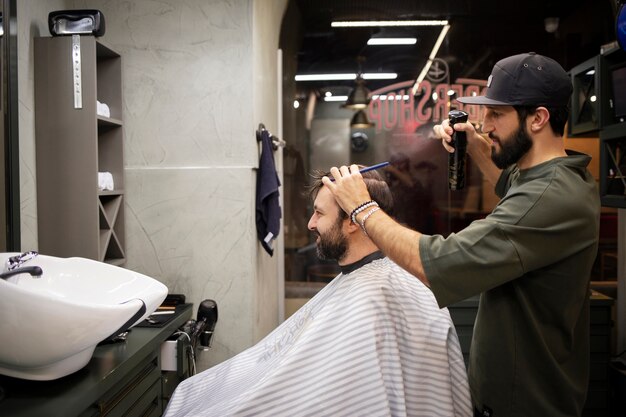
[475,141]
[348,188]
[444,132]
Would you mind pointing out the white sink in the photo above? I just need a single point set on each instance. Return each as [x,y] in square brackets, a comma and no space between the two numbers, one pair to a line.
[50,326]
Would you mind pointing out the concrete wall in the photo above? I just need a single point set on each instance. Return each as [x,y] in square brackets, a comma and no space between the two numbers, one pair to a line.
[198,77]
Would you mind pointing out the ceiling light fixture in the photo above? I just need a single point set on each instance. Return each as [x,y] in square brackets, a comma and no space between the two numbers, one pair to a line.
[378,23]
[335,98]
[346,76]
[325,77]
[551,24]
[360,120]
[379,76]
[431,57]
[359,97]
[392,41]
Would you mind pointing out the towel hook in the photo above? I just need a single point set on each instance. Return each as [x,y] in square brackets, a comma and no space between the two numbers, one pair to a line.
[276,142]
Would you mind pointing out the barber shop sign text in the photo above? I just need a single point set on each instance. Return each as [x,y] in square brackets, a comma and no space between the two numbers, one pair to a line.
[395,106]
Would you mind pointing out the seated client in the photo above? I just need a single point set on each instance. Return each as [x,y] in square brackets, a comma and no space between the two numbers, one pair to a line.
[372,342]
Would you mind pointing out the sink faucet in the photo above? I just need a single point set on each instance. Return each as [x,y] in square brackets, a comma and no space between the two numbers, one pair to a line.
[17,260]
[35,271]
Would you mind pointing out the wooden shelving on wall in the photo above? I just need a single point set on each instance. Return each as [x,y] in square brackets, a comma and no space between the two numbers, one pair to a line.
[74,143]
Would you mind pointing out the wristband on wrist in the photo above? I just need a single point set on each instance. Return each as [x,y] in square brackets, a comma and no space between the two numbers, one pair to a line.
[360,208]
[364,219]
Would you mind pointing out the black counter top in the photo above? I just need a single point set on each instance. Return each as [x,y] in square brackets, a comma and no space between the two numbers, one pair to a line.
[108,368]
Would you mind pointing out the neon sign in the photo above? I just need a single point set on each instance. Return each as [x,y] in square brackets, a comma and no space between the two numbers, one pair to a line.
[395,107]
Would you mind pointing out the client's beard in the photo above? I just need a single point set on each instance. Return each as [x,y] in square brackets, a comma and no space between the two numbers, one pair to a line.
[332,245]
[512,150]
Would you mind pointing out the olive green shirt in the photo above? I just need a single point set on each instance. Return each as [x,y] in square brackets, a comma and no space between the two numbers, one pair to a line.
[530,260]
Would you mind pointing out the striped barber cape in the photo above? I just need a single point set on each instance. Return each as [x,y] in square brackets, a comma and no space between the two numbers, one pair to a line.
[372,342]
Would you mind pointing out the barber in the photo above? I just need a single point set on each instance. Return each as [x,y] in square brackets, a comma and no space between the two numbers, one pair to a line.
[529,259]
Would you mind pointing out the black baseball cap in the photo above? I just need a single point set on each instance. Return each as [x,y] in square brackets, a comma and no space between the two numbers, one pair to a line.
[525,80]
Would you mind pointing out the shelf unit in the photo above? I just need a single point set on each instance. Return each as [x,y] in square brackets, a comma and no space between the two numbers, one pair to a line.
[74,143]
[612,66]
[613,166]
[612,62]
[584,114]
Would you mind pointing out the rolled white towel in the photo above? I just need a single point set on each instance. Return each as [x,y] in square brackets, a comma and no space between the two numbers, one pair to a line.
[102,109]
[105,181]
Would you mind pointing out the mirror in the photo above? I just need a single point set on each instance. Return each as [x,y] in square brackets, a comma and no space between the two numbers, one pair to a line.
[9,139]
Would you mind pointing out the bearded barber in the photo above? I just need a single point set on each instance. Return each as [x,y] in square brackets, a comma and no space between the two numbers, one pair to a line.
[529,259]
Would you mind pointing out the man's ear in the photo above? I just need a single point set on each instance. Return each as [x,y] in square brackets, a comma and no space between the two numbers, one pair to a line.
[539,119]
[349,227]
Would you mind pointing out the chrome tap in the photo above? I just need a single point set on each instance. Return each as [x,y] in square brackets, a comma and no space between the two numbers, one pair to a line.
[17,260]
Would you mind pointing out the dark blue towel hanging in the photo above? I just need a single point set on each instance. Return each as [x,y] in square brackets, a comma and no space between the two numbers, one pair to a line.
[268,212]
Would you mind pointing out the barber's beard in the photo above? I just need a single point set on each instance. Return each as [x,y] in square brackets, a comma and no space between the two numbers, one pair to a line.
[512,149]
[332,244]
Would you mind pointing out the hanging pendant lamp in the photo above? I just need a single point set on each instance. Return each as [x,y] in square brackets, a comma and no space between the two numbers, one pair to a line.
[360,120]
[359,97]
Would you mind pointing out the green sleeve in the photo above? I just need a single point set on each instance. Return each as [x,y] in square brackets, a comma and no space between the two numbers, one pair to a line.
[524,233]
[467,263]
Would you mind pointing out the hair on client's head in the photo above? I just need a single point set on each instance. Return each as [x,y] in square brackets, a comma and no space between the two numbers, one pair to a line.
[376,186]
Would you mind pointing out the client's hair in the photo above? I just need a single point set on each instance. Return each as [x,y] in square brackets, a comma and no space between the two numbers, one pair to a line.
[375,183]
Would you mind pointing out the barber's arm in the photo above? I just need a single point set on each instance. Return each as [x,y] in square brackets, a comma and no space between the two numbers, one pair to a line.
[478,147]
[399,243]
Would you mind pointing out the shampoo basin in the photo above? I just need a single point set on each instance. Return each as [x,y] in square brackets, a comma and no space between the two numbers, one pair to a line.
[50,325]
